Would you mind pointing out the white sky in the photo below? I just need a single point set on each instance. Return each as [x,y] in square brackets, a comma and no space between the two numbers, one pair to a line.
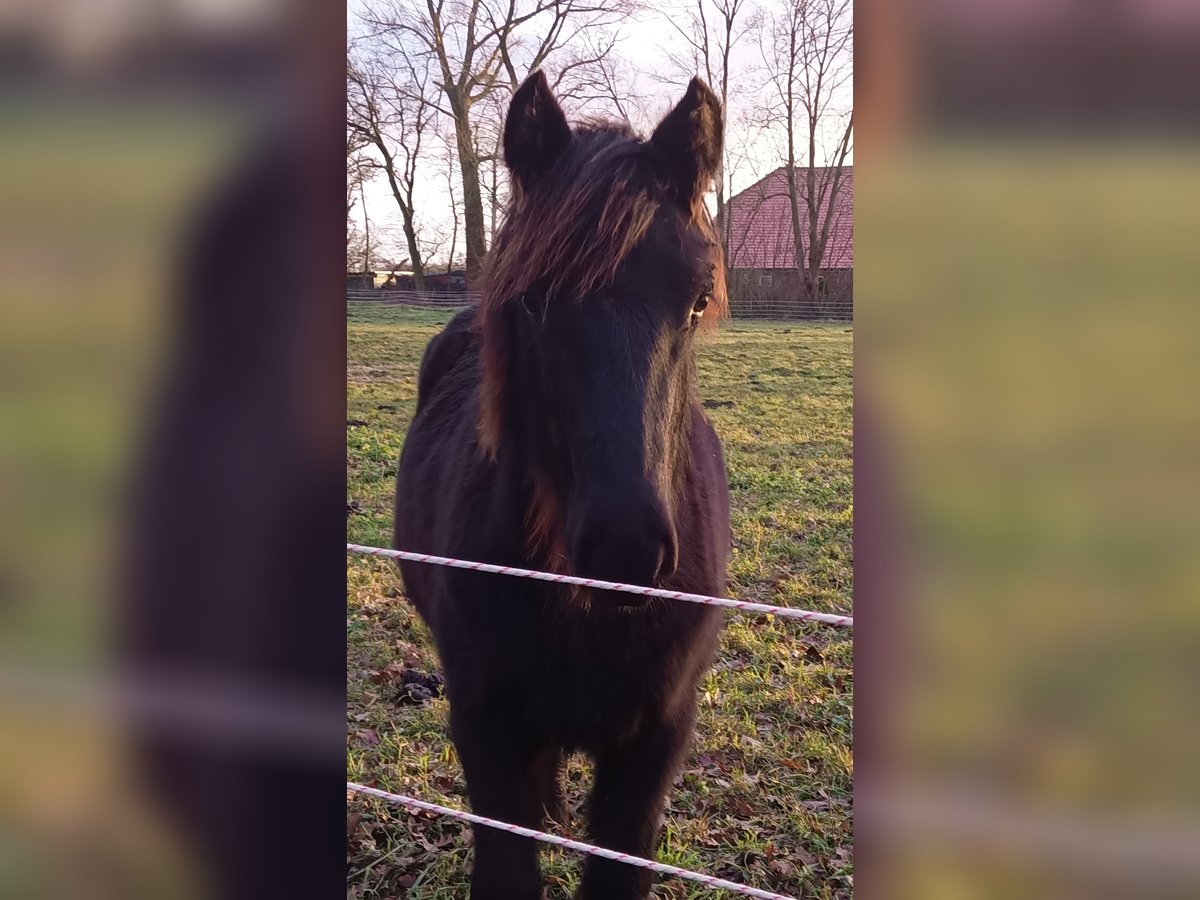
[646,40]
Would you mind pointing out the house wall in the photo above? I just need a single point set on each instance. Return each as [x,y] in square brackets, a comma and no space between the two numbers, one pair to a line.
[778,293]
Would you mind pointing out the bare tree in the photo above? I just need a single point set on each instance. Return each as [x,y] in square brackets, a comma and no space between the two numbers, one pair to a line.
[432,239]
[710,29]
[479,48]
[448,166]
[598,80]
[354,248]
[380,109]
[362,245]
[358,171]
[362,193]
[808,52]
[588,75]
[389,246]
[744,214]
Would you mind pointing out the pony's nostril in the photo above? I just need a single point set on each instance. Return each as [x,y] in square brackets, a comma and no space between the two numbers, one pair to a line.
[668,558]
[660,563]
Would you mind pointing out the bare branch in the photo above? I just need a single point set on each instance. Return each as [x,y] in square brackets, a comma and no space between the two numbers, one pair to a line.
[476,52]
[807,54]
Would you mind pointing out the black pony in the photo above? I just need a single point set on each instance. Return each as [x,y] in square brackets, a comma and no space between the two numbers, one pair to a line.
[557,428]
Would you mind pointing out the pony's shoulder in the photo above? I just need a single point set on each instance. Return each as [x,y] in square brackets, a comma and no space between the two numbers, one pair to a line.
[454,343]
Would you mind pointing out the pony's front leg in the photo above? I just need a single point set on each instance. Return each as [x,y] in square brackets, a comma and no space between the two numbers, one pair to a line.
[626,808]
[503,783]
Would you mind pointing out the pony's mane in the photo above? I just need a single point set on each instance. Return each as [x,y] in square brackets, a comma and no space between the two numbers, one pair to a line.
[569,234]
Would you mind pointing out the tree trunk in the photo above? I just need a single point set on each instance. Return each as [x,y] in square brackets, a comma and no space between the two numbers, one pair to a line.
[794,208]
[816,251]
[474,225]
[797,234]
[406,215]
[414,251]
[721,217]
[366,232]
[793,196]
[492,231]
[721,179]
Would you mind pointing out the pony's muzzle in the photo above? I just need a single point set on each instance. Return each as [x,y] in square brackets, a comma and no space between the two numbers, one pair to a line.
[631,545]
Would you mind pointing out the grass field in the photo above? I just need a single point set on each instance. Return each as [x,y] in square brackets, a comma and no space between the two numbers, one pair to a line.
[765,797]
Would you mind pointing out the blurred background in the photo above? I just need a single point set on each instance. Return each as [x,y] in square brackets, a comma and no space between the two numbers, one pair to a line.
[171,605]
[1028,582]
[171,455]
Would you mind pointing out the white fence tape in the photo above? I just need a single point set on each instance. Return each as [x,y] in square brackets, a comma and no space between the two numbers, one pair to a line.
[784,612]
[661,868]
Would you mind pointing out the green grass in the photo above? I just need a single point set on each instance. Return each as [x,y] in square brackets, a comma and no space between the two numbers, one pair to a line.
[765,796]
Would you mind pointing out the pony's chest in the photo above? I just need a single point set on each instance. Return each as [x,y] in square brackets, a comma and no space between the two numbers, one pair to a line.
[596,686]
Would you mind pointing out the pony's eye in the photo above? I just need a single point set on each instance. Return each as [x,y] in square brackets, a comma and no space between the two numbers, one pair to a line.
[701,303]
[531,305]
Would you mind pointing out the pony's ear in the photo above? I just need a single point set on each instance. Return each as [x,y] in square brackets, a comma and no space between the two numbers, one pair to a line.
[535,131]
[687,143]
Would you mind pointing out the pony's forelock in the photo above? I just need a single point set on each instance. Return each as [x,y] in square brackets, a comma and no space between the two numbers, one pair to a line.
[568,235]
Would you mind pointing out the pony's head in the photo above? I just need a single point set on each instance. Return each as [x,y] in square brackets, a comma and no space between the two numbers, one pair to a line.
[606,266]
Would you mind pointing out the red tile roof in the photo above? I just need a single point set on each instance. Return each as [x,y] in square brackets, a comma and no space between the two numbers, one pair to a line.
[760,222]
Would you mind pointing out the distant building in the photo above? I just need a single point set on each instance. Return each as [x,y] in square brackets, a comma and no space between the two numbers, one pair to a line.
[763,277]
[452,282]
[389,279]
[435,282]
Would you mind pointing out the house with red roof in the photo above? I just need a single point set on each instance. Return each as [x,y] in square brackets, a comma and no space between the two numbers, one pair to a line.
[763,276]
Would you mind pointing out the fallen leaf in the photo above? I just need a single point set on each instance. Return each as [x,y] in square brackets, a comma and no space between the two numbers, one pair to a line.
[741,808]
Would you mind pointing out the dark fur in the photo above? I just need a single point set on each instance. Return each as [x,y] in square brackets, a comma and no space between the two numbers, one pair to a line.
[598,435]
